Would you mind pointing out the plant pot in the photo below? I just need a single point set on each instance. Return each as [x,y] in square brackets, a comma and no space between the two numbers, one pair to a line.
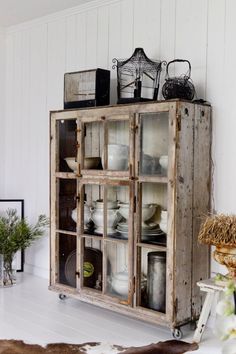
[226,255]
[7,273]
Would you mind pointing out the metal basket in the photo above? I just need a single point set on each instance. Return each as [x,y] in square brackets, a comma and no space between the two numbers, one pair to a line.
[178,87]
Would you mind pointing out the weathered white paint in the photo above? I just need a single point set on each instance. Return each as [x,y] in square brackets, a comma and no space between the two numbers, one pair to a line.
[38,53]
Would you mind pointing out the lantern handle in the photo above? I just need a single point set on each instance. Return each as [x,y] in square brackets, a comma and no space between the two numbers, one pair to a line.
[187,75]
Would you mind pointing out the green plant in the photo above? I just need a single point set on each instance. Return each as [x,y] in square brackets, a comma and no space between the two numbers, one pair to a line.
[16,234]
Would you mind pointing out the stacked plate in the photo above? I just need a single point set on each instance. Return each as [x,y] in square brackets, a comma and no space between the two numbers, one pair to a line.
[123,230]
[151,233]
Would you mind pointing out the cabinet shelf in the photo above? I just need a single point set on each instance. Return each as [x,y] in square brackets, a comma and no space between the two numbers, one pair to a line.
[157,176]
[152,246]
[71,233]
[65,175]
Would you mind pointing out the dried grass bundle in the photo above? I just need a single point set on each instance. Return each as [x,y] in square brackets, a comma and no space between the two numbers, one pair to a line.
[218,230]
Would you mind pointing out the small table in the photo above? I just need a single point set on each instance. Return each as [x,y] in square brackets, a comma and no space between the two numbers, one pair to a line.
[212,291]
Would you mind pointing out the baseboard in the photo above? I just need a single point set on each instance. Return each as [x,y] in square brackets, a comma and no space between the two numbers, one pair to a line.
[38,271]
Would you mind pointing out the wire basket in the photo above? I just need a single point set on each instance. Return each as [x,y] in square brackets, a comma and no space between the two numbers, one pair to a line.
[178,87]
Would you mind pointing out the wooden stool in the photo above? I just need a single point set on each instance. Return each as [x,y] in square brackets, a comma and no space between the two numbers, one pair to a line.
[212,291]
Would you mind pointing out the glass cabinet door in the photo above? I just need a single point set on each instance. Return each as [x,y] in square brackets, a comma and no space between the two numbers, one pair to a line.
[66,259]
[107,145]
[151,240]
[66,204]
[106,231]
[66,131]
[153,144]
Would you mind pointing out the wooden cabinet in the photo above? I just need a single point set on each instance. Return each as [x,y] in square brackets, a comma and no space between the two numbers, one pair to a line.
[126,207]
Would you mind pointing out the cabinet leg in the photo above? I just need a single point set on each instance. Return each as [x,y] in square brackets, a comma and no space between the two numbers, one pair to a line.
[203,317]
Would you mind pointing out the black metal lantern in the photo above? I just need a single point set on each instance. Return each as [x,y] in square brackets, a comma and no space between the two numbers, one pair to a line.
[137,78]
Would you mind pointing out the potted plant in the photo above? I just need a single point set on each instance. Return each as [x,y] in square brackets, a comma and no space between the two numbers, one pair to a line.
[220,231]
[16,234]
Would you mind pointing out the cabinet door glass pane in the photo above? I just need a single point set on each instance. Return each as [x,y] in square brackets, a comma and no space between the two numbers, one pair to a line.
[92,263]
[117,283]
[118,145]
[153,203]
[154,144]
[67,260]
[118,211]
[93,146]
[67,140]
[92,209]
[66,209]
[152,279]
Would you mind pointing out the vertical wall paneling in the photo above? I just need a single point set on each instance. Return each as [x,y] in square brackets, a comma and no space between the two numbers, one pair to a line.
[91,39]
[226,78]
[147,26]
[71,43]
[127,28]
[56,63]
[215,81]
[81,42]
[2,106]
[167,46]
[191,39]
[114,44]
[103,37]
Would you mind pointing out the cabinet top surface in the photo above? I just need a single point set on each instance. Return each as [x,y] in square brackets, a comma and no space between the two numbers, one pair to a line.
[137,104]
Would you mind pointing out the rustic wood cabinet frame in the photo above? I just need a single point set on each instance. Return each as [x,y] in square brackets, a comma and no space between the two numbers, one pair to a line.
[188,184]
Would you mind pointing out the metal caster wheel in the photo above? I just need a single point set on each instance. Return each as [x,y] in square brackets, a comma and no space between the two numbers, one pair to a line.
[62,296]
[177,333]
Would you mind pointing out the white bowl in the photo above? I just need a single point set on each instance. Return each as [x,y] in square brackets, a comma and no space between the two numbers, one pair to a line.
[148,211]
[72,163]
[118,156]
[163,161]
[111,204]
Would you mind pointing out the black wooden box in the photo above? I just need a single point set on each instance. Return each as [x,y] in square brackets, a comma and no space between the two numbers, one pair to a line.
[87,88]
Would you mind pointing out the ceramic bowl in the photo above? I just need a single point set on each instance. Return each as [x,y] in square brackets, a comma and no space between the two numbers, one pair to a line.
[120,283]
[148,211]
[163,161]
[118,156]
[111,204]
[72,163]
[91,162]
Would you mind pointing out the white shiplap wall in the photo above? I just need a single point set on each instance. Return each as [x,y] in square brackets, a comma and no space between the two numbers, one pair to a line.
[2,104]
[38,54]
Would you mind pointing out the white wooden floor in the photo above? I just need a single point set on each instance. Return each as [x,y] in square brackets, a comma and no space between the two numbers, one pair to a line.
[30,312]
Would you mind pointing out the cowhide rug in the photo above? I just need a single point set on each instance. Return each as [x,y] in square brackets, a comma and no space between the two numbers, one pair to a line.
[167,347]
